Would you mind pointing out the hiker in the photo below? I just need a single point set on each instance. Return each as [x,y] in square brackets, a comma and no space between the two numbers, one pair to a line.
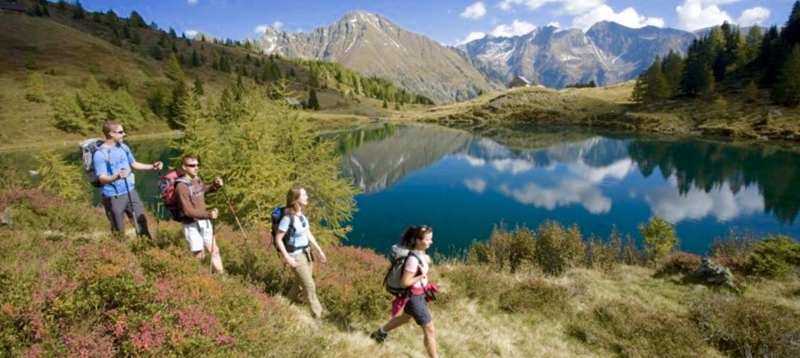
[301,259]
[113,162]
[195,218]
[415,277]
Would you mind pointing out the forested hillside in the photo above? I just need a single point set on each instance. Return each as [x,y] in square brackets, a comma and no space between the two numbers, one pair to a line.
[71,69]
[726,61]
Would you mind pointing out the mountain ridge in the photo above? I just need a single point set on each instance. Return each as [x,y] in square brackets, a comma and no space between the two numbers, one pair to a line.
[607,53]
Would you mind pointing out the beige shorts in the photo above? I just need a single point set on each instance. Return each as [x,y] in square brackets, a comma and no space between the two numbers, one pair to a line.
[198,234]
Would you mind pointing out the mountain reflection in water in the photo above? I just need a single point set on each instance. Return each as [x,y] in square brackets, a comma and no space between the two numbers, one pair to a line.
[463,185]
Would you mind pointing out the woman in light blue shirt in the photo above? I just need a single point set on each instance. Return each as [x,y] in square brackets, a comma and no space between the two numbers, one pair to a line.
[296,252]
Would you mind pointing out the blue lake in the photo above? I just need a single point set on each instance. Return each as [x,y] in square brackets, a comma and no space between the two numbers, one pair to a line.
[463,185]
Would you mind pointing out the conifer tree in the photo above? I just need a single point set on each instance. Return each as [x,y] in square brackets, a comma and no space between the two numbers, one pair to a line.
[68,117]
[173,69]
[60,178]
[35,90]
[771,56]
[93,101]
[787,90]
[790,34]
[198,86]
[200,134]
[182,104]
[136,20]
[77,10]
[657,86]
[672,67]
[313,102]
[195,59]
[124,108]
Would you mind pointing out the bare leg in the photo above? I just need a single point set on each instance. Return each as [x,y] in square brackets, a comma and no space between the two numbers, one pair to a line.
[216,259]
[396,321]
[430,340]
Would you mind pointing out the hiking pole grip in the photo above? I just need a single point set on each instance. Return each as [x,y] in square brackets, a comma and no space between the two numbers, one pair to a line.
[234,214]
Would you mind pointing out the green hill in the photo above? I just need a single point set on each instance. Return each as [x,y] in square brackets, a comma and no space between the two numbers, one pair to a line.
[47,60]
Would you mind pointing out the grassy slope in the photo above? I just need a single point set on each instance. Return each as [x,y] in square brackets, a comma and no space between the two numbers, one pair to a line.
[67,55]
[469,318]
[726,115]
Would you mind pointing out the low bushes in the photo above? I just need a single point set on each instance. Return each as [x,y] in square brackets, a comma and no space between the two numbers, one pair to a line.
[774,256]
[630,330]
[680,263]
[744,327]
[536,296]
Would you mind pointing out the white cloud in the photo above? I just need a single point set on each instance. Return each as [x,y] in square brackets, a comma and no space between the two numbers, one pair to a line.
[568,192]
[721,203]
[617,170]
[515,166]
[473,161]
[471,37]
[628,17]
[753,16]
[263,28]
[516,28]
[476,185]
[692,15]
[474,11]
[571,7]
[191,33]
[192,2]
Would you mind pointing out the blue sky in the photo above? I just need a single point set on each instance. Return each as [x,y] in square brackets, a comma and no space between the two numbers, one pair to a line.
[447,21]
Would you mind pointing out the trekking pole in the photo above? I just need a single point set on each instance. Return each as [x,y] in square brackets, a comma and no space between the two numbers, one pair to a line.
[211,257]
[133,212]
[159,204]
[234,214]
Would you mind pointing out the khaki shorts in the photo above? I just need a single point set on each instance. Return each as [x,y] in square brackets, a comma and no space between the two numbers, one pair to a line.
[198,234]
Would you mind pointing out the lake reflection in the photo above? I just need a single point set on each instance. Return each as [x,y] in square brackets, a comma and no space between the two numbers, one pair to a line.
[463,185]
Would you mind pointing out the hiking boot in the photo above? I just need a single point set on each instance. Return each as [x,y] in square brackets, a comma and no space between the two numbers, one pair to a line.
[378,336]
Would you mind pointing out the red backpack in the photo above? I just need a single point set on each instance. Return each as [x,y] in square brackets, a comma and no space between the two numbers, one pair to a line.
[166,186]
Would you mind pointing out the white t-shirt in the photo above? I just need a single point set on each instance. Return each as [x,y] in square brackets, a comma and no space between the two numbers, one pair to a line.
[413,265]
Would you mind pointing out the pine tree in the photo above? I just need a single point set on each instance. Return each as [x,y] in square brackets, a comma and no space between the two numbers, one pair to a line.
[195,59]
[35,89]
[68,117]
[771,56]
[198,86]
[60,177]
[200,134]
[673,69]
[124,108]
[77,10]
[173,69]
[136,20]
[313,102]
[93,101]
[787,90]
[657,86]
[181,106]
[790,34]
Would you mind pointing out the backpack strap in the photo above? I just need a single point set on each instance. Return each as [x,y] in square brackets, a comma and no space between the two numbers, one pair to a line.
[191,187]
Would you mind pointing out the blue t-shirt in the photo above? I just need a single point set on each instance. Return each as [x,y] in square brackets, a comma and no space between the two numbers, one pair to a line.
[119,157]
[301,230]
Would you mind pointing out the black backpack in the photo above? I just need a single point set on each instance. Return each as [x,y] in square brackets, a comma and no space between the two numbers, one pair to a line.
[276,217]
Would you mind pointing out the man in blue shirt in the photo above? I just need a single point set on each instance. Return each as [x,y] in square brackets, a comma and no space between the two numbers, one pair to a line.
[113,162]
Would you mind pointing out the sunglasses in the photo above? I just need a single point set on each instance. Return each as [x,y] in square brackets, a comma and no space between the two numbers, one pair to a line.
[118,132]
[424,228]
[303,220]
[193,165]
